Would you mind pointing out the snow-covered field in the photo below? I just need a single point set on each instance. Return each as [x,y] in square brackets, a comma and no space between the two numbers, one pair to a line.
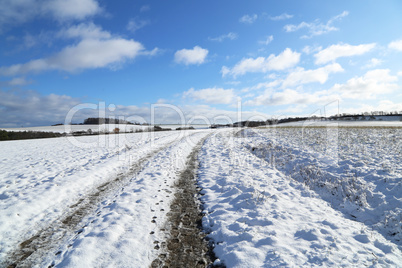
[286,196]
[263,192]
[102,128]
[340,123]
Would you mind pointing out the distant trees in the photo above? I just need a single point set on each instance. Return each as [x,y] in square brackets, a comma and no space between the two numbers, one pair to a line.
[100,121]
[24,135]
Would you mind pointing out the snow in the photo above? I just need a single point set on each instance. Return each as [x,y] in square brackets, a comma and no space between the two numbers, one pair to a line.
[122,229]
[258,216]
[340,123]
[279,196]
[41,179]
[357,170]
[104,128]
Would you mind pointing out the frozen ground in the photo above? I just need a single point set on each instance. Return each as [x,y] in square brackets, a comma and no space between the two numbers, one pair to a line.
[333,123]
[258,215]
[102,201]
[356,169]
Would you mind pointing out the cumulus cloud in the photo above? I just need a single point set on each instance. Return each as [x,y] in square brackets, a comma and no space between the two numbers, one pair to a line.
[383,105]
[221,38]
[19,81]
[316,28]
[333,52]
[84,31]
[135,24]
[71,9]
[248,19]
[374,62]
[212,95]
[311,49]
[302,76]
[30,108]
[368,86]
[291,97]
[97,49]
[197,55]
[283,16]
[284,60]
[17,12]
[87,54]
[267,40]
[397,45]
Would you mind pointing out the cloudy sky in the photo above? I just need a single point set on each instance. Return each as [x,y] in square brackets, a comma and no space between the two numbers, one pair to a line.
[209,60]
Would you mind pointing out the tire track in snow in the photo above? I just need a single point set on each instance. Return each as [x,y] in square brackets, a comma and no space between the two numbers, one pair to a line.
[30,251]
[186,245]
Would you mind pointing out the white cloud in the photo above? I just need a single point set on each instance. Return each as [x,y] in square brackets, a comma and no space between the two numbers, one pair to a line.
[230,36]
[14,12]
[320,75]
[291,97]
[268,40]
[145,8]
[19,81]
[283,61]
[71,9]
[333,52]
[368,86]
[96,49]
[214,115]
[397,45]
[136,24]
[87,54]
[316,28]
[311,49]
[383,105]
[30,108]
[197,55]
[211,95]
[283,16]
[248,19]
[85,31]
[374,62]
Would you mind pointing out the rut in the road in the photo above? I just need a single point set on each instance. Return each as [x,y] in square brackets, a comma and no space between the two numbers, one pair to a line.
[186,245]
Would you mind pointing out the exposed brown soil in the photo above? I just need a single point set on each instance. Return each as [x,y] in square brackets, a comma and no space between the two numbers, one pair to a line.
[186,245]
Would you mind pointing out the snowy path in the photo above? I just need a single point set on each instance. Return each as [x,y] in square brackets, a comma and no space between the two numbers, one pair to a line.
[258,217]
[125,232]
[25,206]
[108,202]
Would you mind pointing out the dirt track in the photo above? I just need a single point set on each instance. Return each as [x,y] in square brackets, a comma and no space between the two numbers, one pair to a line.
[185,244]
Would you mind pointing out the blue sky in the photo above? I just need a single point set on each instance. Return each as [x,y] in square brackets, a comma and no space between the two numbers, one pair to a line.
[205,58]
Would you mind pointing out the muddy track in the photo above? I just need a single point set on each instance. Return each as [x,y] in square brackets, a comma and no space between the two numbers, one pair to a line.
[185,244]
[49,238]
